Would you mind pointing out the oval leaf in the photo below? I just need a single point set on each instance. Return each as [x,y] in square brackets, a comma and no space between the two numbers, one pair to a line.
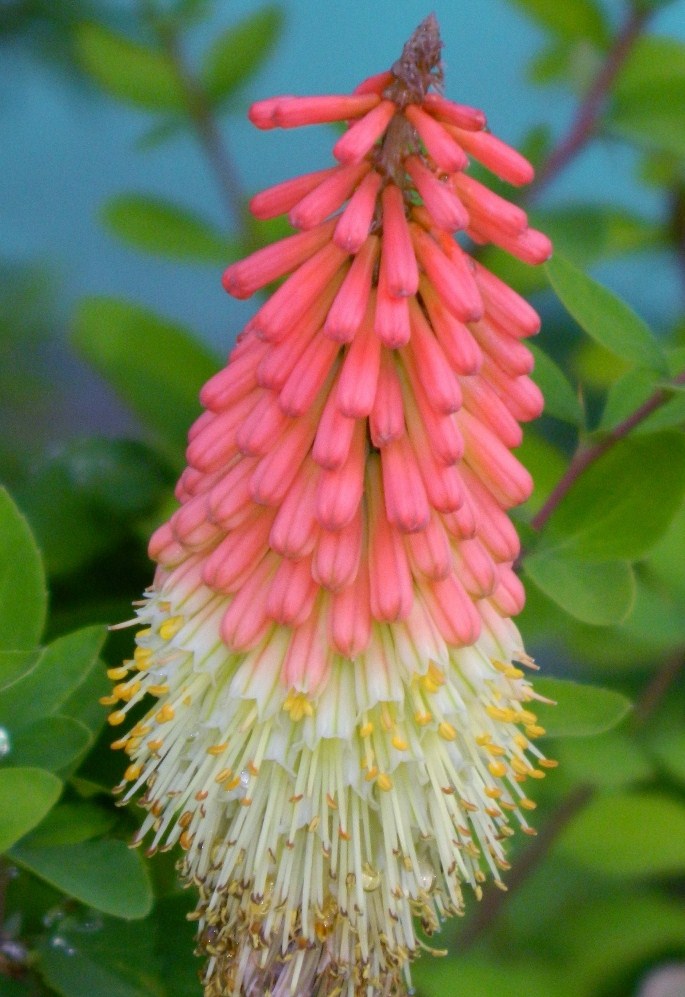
[103,874]
[610,512]
[239,51]
[561,400]
[607,319]
[61,668]
[23,598]
[600,594]
[628,834]
[156,366]
[128,70]
[26,796]
[579,710]
[161,227]
[70,823]
[50,743]
[652,115]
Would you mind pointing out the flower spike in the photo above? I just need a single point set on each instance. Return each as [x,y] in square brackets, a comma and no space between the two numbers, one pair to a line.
[341,723]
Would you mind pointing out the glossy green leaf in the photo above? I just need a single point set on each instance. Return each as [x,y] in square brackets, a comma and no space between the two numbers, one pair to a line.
[652,115]
[606,939]
[26,796]
[579,710]
[597,593]
[128,70]
[115,958]
[609,760]
[165,229]
[50,743]
[546,464]
[603,315]
[23,598]
[573,20]
[628,834]
[62,667]
[561,400]
[71,823]
[15,664]
[240,51]
[610,513]
[464,975]
[155,365]
[630,392]
[105,874]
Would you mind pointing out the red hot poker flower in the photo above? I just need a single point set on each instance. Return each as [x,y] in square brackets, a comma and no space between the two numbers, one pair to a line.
[341,729]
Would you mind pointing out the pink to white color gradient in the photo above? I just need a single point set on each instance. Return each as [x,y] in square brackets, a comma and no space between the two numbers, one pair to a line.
[333,600]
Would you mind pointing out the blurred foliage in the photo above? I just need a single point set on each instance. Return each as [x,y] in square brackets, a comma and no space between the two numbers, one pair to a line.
[596,901]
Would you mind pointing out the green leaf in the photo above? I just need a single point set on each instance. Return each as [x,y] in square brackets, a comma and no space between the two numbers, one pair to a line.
[652,115]
[573,20]
[61,668]
[132,72]
[546,464]
[604,316]
[462,975]
[609,760]
[71,823]
[50,743]
[600,594]
[14,665]
[156,366]
[580,710]
[630,392]
[628,834]
[610,513]
[117,959]
[561,400]
[589,232]
[104,874]
[165,229]
[26,796]
[652,59]
[240,50]
[23,599]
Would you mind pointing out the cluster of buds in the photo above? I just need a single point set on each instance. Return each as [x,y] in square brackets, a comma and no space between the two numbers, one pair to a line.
[342,726]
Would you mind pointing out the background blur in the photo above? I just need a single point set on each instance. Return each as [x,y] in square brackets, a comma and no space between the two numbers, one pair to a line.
[125,163]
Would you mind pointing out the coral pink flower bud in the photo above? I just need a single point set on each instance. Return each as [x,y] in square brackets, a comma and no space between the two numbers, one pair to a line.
[342,731]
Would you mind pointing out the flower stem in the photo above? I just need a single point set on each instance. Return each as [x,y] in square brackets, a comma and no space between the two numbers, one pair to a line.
[589,112]
[202,119]
[585,455]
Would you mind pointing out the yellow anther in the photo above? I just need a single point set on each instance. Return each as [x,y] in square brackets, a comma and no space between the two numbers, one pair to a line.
[185,840]
[170,627]
[520,741]
[223,775]
[371,774]
[520,767]
[144,632]
[384,782]
[132,772]
[166,713]
[156,744]
[126,692]
[493,792]
[108,700]
[185,819]
[116,718]
[232,783]
[142,654]
[252,768]
[483,739]
[536,774]
[548,763]
[366,730]
[527,804]
[217,749]
[298,706]
[141,730]
[496,750]
[497,769]
[386,720]
[505,714]
[157,690]
[399,743]
[447,732]
[534,730]
[119,744]
[116,674]
[526,717]
[423,717]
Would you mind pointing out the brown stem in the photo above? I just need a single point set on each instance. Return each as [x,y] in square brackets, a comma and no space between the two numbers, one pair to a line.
[587,455]
[202,118]
[590,110]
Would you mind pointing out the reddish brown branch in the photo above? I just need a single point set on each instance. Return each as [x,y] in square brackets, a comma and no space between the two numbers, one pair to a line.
[589,112]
